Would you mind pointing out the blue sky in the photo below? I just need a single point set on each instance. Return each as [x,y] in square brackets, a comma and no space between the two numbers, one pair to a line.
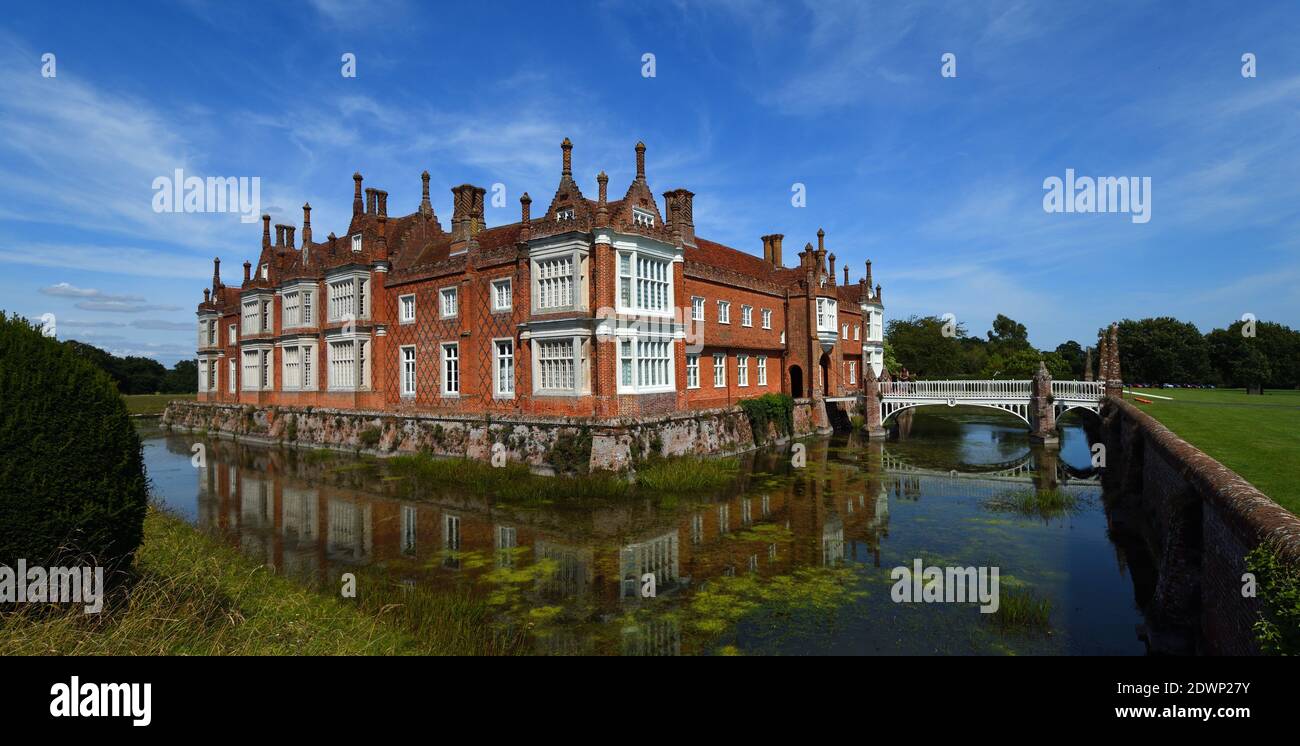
[938,180]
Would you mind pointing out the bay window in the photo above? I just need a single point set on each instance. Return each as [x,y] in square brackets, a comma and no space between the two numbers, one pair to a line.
[554,283]
[644,281]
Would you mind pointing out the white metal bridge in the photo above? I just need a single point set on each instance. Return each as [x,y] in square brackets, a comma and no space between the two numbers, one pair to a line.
[1009,396]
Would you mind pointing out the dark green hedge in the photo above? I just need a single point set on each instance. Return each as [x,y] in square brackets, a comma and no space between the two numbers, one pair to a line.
[72,479]
[777,408]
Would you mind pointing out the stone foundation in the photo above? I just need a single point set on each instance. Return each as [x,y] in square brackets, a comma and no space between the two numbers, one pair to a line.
[546,445]
[1198,519]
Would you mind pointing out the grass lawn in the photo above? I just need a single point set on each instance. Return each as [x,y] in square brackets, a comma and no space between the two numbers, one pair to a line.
[151,403]
[196,596]
[1256,436]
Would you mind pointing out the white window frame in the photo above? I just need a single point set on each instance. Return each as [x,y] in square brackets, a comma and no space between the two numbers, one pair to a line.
[697,308]
[550,285]
[407,371]
[448,302]
[853,372]
[547,364]
[742,371]
[232,334]
[497,292]
[406,308]
[747,315]
[449,385]
[645,281]
[503,387]
[724,312]
[232,374]
[642,218]
[826,315]
[646,363]
[719,370]
[857,332]
[693,371]
[761,364]
[356,243]
[767,318]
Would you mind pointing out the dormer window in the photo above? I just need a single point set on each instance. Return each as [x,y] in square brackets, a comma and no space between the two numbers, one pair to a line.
[642,218]
[356,244]
[564,213]
[266,271]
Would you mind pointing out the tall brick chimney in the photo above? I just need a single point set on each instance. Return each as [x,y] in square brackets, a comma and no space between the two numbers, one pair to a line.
[370,200]
[248,270]
[381,198]
[525,216]
[216,274]
[426,207]
[640,162]
[831,273]
[680,206]
[266,231]
[602,200]
[306,224]
[467,211]
[357,204]
[279,234]
[776,248]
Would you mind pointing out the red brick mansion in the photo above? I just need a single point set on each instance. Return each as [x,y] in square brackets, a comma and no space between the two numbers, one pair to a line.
[593,308]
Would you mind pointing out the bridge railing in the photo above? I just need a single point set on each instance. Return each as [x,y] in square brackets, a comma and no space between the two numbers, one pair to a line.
[1088,390]
[957,389]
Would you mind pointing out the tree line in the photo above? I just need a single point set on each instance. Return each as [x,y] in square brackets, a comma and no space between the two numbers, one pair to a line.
[141,375]
[1158,350]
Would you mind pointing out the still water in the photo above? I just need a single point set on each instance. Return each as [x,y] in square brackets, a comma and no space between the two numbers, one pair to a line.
[785,561]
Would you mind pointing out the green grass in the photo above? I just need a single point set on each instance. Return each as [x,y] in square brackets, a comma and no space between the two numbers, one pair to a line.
[191,595]
[1256,436]
[151,403]
[1021,610]
[687,474]
[1045,504]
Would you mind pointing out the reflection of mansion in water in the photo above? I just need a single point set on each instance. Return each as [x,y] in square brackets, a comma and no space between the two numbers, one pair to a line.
[280,513]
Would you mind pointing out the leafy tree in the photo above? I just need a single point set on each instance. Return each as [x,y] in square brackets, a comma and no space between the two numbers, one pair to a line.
[1278,344]
[182,378]
[1008,336]
[72,480]
[1074,356]
[920,346]
[1162,350]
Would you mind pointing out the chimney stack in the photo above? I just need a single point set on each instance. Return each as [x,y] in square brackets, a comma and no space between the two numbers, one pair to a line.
[525,216]
[332,241]
[831,274]
[680,204]
[288,235]
[248,270]
[602,201]
[357,204]
[476,219]
[306,224]
[846,275]
[426,207]
[216,274]
[767,248]
[266,231]
[207,295]
[640,162]
[370,200]
[382,197]
[566,168]
[868,274]
[467,211]
[279,235]
[776,249]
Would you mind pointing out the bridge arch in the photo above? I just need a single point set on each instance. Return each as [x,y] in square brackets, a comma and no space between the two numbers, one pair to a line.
[1019,410]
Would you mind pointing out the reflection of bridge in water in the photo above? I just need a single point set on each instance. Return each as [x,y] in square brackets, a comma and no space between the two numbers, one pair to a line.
[1038,469]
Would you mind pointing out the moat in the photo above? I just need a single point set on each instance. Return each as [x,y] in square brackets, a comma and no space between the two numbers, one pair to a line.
[786,560]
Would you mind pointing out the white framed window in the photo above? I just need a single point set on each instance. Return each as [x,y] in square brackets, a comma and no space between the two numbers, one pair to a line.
[291,309]
[692,371]
[291,362]
[746,315]
[719,370]
[230,334]
[767,318]
[343,364]
[502,298]
[697,308]
[853,372]
[555,283]
[343,299]
[406,309]
[825,315]
[408,370]
[266,370]
[742,370]
[451,369]
[857,332]
[265,271]
[252,365]
[356,243]
[308,373]
[782,336]
[307,307]
[646,362]
[232,373]
[642,218]
[448,299]
[556,365]
[504,367]
[564,213]
[761,362]
[724,312]
[644,281]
